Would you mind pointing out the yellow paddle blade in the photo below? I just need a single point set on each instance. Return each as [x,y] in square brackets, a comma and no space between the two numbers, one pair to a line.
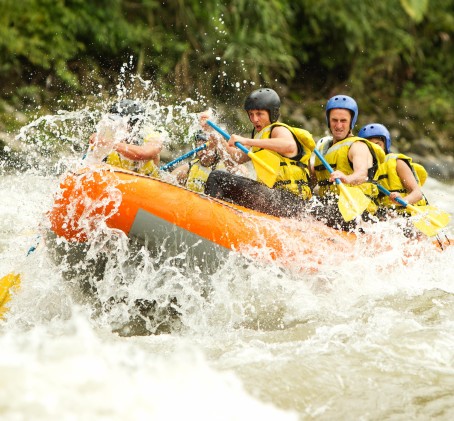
[8,284]
[429,219]
[352,201]
[268,171]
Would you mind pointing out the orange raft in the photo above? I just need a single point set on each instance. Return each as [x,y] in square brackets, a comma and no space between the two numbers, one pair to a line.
[169,217]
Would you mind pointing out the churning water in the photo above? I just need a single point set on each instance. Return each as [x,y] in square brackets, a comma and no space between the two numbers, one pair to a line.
[369,337]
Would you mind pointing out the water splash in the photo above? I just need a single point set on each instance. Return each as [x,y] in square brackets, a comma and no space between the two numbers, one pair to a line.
[356,331]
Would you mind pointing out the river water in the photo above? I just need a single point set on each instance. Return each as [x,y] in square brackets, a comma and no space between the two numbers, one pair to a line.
[370,338]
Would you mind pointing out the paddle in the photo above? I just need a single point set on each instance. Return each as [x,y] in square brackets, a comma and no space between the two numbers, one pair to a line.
[108,129]
[352,201]
[265,172]
[170,164]
[429,221]
[10,283]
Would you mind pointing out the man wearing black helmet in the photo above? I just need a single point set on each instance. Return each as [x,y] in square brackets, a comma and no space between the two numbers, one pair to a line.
[136,151]
[355,161]
[289,146]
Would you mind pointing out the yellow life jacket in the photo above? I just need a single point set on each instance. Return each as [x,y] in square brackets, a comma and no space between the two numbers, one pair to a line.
[421,173]
[198,175]
[337,156]
[293,174]
[387,176]
[142,167]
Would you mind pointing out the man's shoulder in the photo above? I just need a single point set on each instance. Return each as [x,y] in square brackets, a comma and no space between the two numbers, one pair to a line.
[359,146]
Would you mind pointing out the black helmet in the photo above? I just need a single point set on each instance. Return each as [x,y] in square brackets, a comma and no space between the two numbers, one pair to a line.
[128,108]
[264,99]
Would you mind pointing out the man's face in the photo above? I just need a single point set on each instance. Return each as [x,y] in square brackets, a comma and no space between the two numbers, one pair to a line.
[339,123]
[378,141]
[259,118]
[207,156]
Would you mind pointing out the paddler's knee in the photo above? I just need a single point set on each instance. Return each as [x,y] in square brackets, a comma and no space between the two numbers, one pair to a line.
[216,183]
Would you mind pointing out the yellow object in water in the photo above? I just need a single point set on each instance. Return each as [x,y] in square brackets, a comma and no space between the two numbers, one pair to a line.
[8,284]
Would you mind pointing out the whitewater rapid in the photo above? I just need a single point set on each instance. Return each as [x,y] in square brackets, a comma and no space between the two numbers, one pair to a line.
[371,338]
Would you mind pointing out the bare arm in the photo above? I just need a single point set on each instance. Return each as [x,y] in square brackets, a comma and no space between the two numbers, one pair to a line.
[409,182]
[361,159]
[181,173]
[148,151]
[282,142]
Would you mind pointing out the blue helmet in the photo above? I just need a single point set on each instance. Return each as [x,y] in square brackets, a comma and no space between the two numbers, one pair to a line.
[345,102]
[376,130]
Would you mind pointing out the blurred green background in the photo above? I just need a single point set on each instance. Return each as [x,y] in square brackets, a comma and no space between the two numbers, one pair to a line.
[395,57]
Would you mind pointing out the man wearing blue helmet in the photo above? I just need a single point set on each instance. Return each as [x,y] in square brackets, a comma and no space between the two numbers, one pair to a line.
[398,173]
[354,159]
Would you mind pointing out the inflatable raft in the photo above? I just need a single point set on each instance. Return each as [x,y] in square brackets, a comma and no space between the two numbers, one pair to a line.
[170,218]
[164,215]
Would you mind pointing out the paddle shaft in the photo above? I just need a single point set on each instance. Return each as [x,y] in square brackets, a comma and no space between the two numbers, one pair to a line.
[402,202]
[397,199]
[326,165]
[352,201]
[183,157]
[266,171]
[227,137]
[431,221]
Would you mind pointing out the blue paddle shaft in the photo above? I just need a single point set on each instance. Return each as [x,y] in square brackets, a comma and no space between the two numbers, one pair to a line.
[325,163]
[227,136]
[183,157]
[397,199]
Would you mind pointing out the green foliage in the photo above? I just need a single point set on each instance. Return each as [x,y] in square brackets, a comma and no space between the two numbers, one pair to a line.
[218,45]
[355,44]
[388,54]
[416,9]
[45,37]
[428,93]
[42,40]
[251,26]
[375,52]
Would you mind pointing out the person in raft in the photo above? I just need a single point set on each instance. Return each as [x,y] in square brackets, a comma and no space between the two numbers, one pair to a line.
[214,156]
[398,174]
[139,147]
[355,161]
[272,142]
